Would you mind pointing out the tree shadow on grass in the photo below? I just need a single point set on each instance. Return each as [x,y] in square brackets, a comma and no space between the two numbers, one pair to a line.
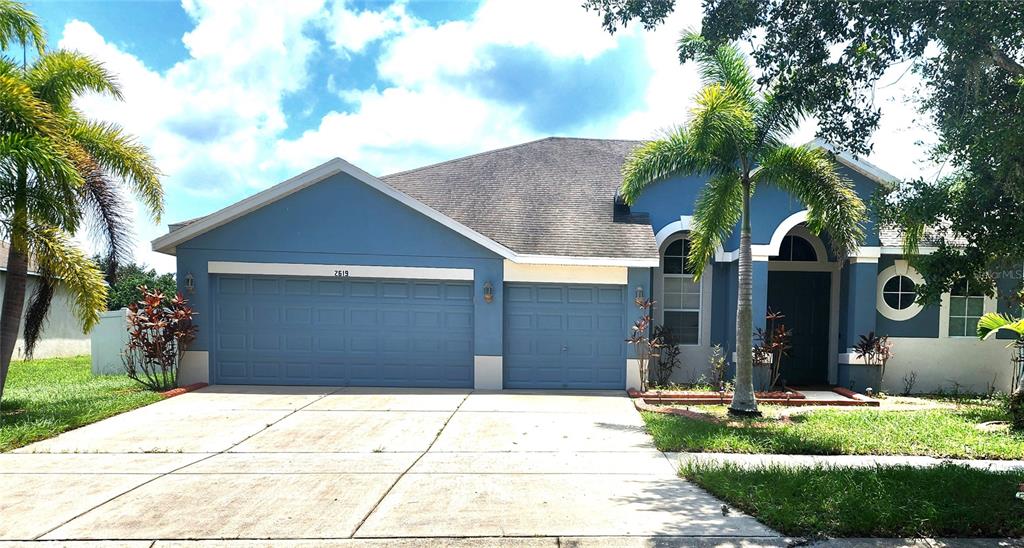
[747,436]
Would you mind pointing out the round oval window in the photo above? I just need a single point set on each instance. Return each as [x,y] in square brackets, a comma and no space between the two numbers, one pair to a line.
[899,292]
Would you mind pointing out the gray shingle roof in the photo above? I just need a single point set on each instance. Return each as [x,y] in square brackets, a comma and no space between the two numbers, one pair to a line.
[554,196]
[893,237]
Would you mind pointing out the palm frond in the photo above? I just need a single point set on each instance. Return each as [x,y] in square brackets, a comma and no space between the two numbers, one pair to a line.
[812,176]
[658,160]
[120,155]
[718,209]
[42,156]
[109,218]
[722,64]
[60,76]
[991,324]
[722,125]
[776,120]
[56,253]
[37,310]
[18,25]
[22,112]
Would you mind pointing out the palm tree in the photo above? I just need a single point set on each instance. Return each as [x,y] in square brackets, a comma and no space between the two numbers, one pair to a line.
[735,137]
[990,325]
[60,172]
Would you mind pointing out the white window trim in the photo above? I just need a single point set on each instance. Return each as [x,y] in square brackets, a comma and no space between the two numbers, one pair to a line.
[990,306]
[703,286]
[899,268]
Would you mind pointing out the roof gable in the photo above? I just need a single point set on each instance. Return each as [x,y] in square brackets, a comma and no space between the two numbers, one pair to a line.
[168,242]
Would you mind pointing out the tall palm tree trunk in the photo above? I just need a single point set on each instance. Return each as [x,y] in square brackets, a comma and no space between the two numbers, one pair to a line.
[14,286]
[743,401]
[14,304]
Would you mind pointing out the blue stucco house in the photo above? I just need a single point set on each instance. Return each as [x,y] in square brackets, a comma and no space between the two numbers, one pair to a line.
[518,268]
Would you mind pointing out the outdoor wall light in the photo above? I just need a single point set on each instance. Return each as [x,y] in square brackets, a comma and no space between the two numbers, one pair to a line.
[190,283]
[639,293]
[488,292]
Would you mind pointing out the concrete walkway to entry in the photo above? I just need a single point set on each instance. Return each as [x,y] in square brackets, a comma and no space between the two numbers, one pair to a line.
[316,464]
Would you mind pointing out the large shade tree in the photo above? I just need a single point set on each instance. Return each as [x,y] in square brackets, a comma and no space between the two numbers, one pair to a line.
[60,173]
[736,137]
[831,58]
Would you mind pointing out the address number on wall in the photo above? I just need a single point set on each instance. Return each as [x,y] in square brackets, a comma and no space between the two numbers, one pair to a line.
[341,273]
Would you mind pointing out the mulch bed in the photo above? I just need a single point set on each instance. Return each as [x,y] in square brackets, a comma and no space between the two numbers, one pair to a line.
[183,389]
[788,397]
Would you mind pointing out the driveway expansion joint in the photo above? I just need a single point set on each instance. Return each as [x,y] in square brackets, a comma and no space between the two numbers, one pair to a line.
[406,471]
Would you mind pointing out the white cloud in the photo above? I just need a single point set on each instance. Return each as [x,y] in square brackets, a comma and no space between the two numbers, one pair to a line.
[351,30]
[416,114]
[209,120]
[215,121]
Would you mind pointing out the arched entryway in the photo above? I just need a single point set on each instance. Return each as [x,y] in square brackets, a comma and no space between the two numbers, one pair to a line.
[802,284]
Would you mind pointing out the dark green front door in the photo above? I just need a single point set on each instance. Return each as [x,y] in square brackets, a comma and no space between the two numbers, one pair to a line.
[804,298]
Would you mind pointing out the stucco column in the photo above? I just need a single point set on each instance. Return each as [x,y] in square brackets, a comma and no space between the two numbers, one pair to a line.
[857,308]
[760,293]
[636,278]
[488,317]
[859,304]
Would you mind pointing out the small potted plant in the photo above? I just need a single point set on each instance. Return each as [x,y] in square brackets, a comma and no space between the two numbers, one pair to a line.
[772,345]
[874,352]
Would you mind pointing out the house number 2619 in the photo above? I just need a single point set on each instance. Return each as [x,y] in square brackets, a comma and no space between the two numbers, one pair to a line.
[341,273]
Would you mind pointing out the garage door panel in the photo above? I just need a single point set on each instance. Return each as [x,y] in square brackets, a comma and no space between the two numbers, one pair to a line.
[298,370]
[580,295]
[564,336]
[237,313]
[265,286]
[550,295]
[394,290]
[330,288]
[576,322]
[265,341]
[343,332]
[232,286]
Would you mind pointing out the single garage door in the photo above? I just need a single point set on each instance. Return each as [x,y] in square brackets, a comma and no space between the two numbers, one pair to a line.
[342,332]
[564,336]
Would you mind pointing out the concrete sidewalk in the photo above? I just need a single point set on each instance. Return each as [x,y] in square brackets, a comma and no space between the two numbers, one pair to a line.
[314,466]
[841,461]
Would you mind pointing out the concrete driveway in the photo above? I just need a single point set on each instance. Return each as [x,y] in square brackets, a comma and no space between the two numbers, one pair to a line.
[380,465]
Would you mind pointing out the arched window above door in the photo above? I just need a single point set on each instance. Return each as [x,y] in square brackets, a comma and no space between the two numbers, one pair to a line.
[795,248]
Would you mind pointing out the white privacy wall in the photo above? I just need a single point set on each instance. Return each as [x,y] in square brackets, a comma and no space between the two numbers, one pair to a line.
[62,334]
[946,364]
[109,338]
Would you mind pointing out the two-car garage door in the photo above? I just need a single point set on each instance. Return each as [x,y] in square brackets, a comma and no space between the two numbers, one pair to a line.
[415,333]
[342,331]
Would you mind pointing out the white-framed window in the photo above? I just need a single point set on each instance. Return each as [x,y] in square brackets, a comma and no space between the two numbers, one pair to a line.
[966,307]
[681,295]
[795,248]
[897,291]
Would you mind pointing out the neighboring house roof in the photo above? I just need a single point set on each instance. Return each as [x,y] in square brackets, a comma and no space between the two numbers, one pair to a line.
[856,163]
[893,237]
[5,249]
[547,201]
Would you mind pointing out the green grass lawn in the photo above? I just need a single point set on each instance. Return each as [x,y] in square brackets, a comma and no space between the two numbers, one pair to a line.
[945,501]
[935,432]
[46,397]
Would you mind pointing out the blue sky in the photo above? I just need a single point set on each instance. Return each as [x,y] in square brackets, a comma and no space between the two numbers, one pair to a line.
[232,97]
